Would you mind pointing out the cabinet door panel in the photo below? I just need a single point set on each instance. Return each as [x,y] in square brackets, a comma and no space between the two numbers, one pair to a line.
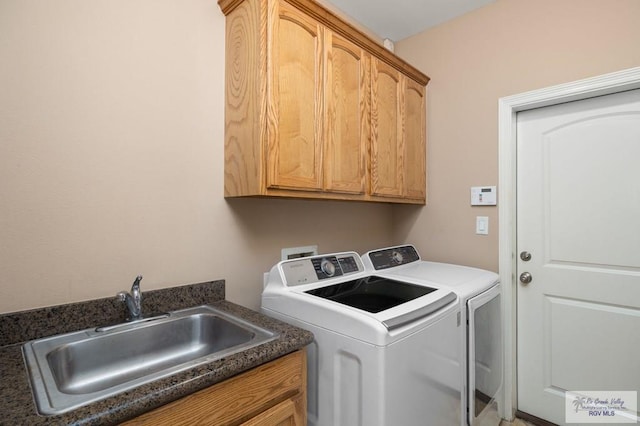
[386,131]
[243,162]
[270,394]
[414,141]
[295,114]
[283,414]
[347,115]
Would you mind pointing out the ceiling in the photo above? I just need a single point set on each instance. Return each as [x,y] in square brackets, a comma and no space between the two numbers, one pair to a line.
[398,19]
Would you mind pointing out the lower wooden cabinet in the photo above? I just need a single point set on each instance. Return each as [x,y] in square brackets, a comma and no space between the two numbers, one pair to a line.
[272,394]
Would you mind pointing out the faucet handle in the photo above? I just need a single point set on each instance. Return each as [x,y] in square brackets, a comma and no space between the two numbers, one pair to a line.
[136,284]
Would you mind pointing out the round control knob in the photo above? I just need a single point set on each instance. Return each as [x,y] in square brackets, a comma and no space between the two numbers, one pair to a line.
[397,257]
[328,267]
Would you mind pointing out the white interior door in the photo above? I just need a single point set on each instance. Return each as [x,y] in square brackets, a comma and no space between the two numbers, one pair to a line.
[578,216]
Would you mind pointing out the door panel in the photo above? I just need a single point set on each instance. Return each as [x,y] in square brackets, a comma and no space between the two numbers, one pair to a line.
[598,319]
[347,102]
[578,196]
[386,131]
[415,174]
[600,187]
[295,121]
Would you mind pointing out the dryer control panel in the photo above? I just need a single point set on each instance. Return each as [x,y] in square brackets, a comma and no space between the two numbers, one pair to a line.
[393,256]
[308,270]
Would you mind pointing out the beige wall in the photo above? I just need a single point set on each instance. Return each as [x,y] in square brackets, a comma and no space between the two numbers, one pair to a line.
[111,132]
[508,47]
[111,159]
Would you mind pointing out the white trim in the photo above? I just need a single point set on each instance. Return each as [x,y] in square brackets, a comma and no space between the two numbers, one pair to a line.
[507,108]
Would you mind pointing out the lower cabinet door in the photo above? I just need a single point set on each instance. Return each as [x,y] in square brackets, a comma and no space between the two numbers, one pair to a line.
[283,414]
[270,394]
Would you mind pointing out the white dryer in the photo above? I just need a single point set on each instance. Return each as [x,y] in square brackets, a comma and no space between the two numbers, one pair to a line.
[479,293]
[386,351]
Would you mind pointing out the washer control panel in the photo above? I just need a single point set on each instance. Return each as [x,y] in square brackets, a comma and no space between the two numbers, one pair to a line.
[308,270]
[326,267]
[394,256]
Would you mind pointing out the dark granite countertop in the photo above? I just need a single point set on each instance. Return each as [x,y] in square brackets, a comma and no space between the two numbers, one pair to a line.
[17,406]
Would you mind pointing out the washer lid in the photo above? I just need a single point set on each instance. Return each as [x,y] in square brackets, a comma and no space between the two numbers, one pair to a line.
[372,293]
[376,294]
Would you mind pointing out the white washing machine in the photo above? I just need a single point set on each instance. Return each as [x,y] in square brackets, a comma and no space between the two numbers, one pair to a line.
[386,351]
[479,293]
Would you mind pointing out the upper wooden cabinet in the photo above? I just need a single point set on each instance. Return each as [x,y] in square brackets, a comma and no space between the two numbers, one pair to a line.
[316,109]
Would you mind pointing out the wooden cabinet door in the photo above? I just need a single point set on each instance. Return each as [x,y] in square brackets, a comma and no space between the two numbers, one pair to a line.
[283,414]
[386,131]
[347,115]
[270,394]
[294,106]
[414,139]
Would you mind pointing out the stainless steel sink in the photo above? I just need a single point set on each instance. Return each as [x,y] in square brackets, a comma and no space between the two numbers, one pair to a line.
[70,370]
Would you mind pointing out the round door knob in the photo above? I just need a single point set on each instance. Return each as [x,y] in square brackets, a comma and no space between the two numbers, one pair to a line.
[525,278]
[526,256]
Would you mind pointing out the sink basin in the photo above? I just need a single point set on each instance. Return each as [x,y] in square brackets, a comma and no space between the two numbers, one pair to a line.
[70,370]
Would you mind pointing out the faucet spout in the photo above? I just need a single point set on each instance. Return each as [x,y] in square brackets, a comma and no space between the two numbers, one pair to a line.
[133,299]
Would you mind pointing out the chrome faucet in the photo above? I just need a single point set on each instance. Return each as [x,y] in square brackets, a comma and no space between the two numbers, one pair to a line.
[133,300]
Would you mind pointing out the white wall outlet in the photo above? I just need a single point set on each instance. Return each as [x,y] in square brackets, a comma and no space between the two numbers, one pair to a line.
[296,252]
[482,225]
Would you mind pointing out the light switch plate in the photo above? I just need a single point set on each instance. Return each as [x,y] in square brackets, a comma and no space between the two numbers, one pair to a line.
[482,225]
